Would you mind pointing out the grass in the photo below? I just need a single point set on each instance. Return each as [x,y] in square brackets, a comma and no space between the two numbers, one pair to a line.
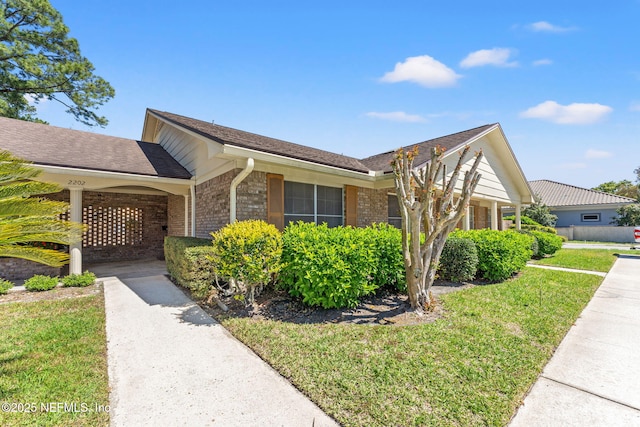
[53,353]
[472,367]
[584,259]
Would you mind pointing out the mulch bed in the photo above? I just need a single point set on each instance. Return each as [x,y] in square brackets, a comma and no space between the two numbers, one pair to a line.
[386,307]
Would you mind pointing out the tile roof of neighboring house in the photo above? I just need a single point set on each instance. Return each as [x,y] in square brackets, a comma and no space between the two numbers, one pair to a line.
[382,162]
[555,194]
[238,138]
[54,146]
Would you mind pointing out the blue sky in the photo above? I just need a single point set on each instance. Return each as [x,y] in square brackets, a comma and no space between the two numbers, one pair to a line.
[363,77]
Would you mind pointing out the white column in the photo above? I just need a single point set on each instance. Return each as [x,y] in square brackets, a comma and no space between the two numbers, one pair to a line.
[518,221]
[466,220]
[186,215]
[494,215]
[193,210]
[75,250]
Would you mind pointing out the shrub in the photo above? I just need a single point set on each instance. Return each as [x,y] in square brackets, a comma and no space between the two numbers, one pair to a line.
[328,267]
[79,280]
[247,253]
[459,259]
[548,243]
[189,263]
[5,285]
[500,253]
[527,223]
[40,283]
[390,262]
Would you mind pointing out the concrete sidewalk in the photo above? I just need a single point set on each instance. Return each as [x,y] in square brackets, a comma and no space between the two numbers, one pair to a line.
[171,364]
[593,378]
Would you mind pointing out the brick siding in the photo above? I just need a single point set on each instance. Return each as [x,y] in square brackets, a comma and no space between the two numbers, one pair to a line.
[372,206]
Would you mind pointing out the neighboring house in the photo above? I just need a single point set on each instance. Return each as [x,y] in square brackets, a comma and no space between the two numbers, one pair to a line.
[192,177]
[577,206]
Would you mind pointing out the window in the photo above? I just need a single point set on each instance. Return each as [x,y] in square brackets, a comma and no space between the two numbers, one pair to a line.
[393,211]
[590,217]
[312,203]
[472,217]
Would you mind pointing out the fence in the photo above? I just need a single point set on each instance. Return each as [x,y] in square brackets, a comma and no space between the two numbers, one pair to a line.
[598,233]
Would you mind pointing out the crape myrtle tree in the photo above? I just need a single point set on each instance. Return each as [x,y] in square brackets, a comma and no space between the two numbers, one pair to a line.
[429,203]
[39,61]
[26,220]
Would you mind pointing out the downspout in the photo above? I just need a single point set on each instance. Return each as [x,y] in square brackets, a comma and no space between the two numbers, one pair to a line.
[234,185]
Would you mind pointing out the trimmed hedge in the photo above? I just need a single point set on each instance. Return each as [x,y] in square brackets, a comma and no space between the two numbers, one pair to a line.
[390,262]
[528,224]
[459,260]
[247,252]
[328,267]
[500,253]
[189,263]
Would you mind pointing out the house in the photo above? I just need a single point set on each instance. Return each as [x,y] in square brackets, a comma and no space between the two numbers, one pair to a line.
[191,177]
[578,206]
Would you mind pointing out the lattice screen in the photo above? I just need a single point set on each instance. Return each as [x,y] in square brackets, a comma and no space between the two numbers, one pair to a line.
[110,226]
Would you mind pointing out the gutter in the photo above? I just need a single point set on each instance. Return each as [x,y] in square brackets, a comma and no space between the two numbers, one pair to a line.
[234,185]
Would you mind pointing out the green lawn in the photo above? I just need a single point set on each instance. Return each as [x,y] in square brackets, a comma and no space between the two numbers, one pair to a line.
[52,354]
[584,259]
[472,367]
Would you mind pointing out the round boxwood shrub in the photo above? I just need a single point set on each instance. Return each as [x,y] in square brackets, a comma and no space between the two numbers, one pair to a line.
[79,280]
[548,244]
[40,283]
[5,285]
[459,260]
[247,253]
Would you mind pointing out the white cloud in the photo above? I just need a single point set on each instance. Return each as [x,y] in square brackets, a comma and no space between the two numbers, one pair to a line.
[423,70]
[498,56]
[572,114]
[544,61]
[635,106]
[597,154]
[546,27]
[397,116]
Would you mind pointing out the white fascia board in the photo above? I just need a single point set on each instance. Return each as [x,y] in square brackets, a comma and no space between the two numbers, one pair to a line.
[236,152]
[120,176]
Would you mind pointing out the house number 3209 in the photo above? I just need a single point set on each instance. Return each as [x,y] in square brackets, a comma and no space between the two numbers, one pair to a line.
[75,182]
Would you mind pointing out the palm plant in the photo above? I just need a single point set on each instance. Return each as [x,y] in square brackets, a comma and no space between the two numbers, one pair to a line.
[25,219]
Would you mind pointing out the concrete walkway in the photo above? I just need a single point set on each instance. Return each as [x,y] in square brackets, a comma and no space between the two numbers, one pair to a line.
[170,364]
[593,379]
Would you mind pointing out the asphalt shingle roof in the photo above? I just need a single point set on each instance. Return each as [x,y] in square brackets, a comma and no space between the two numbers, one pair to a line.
[55,146]
[229,136]
[555,194]
[382,162]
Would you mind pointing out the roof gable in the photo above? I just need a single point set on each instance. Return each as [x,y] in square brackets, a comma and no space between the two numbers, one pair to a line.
[237,138]
[382,162]
[54,146]
[556,194]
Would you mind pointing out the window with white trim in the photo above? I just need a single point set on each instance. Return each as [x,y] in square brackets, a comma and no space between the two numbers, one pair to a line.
[313,203]
[590,217]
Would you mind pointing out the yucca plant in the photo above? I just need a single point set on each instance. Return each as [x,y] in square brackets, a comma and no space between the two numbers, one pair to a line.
[26,218]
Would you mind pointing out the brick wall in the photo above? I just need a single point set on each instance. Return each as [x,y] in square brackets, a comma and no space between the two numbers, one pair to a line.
[212,204]
[13,269]
[175,215]
[372,206]
[251,197]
